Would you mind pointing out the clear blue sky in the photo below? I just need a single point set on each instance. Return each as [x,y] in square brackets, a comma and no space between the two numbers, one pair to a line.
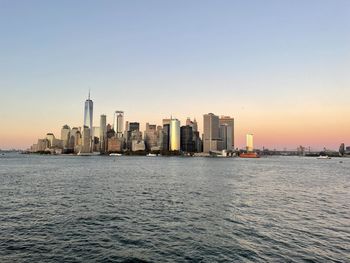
[156,58]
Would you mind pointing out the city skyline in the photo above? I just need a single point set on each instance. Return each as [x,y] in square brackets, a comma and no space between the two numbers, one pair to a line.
[280,69]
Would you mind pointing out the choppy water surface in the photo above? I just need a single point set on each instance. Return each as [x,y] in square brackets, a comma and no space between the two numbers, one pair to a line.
[126,209]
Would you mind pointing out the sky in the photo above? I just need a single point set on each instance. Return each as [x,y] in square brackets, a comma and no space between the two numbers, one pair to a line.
[280,68]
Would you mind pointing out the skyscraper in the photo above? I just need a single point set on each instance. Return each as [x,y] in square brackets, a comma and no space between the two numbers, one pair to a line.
[65,136]
[187,143]
[226,136]
[166,137]
[86,140]
[250,145]
[118,123]
[174,135]
[103,133]
[211,132]
[230,122]
[88,113]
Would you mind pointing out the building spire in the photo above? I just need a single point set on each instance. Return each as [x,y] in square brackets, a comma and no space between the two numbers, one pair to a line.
[89,94]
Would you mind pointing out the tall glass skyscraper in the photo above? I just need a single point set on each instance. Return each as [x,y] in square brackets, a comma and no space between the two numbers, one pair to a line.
[118,123]
[174,135]
[88,113]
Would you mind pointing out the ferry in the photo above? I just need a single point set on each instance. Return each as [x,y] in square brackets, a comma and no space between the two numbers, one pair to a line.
[115,154]
[249,155]
[323,157]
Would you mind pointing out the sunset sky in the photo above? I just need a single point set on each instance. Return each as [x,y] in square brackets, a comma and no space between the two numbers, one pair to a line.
[280,68]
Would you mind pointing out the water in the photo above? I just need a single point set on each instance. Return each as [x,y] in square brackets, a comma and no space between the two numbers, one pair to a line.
[144,209]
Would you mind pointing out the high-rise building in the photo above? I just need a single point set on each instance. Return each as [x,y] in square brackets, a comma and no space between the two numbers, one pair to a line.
[174,135]
[103,133]
[230,122]
[65,136]
[166,137]
[151,137]
[166,121]
[86,140]
[118,123]
[250,145]
[226,136]
[186,139]
[211,138]
[133,133]
[88,113]
[193,124]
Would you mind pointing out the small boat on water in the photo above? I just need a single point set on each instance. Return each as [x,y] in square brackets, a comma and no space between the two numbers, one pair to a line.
[115,154]
[249,155]
[323,157]
[151,155]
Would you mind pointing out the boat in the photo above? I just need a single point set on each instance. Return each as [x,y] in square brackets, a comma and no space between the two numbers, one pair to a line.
[249,155]
[151,155]
[88,154]
[115,154]
[323,157]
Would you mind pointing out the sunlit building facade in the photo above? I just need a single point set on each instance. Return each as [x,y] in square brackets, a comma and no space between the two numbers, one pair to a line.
[88,113]
[174,135]
[118,123]
[250,145]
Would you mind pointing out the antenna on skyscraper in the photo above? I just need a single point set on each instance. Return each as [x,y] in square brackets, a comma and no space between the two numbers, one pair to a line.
[89,93]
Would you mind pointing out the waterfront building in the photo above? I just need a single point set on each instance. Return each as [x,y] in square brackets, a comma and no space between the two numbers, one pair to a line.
[186,139]
[42,145]
[103,133]
[75,139]
[192,124]
[151,137]
[166,121]
[133,134]
[118,123]
[53,142]
[211,138]
[88,112]
[166,137]
[114,144]
[86,140]
[198,146]
[226,136]
[229,121]
[65,137]
[250,145]
[137,145]
[174,135]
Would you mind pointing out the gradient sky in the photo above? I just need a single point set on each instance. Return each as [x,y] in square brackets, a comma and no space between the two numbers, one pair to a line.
[281,68]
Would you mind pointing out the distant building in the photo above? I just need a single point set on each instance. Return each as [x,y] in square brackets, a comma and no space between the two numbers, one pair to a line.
[65,137]
[151,136]
[137,145]
[118,123]
[166,137]
[133,134]
[226,136]
[86,140]
[174,135]
[192,124]
[103,133]
[230,122]
[42,145]
[114,144]
[53,142]
[211,136]
[88,112]
[250,145]
[186,139]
